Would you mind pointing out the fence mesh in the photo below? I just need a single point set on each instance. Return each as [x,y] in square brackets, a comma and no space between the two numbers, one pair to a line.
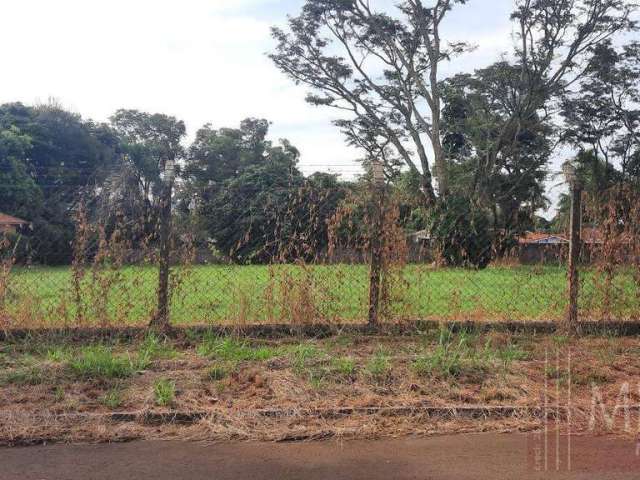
[326,278]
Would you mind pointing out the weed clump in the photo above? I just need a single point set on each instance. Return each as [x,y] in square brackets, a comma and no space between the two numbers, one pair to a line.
[345,367]
[164,392]
[217,373]
[24,376]
[99,362]
[457,355]
[231,349]
[154,347]
[112,399]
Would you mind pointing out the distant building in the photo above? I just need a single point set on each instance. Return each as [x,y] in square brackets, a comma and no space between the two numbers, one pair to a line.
[541,238]
[421,236]
[9,224]
[542,248]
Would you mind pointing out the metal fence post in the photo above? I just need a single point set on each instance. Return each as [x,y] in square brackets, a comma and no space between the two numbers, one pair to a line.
[574,246]
[376,243]
[161,319]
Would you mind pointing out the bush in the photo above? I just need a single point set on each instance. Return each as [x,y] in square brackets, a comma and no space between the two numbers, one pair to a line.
[461,233]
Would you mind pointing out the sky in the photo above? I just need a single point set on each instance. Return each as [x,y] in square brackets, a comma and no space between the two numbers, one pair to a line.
[203,61]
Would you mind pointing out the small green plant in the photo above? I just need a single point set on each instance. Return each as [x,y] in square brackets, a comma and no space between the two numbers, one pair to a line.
[317,377]
[344,366]
[164,392]
[560,340]
[113,398]
[592,378]
[99,362]
[217,373]
[453,356]
[154,347]
[441,362]
[59,394]
[557,374]
[510,354]
[379,366]
[342,340]
[59,354]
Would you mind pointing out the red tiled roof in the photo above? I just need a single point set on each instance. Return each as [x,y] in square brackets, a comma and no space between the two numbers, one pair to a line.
[9,220]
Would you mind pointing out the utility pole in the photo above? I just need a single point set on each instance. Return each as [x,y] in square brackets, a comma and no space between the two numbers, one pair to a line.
[575,245]
[161,319]
[376,243]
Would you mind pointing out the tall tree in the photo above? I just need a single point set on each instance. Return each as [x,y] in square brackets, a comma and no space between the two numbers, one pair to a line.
[218,155]
[19,192]
[247,215]
[511,185]
[386,71]
[386,74]
[602,113]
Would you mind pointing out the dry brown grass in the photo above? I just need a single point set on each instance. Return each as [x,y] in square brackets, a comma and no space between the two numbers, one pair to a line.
[300,393]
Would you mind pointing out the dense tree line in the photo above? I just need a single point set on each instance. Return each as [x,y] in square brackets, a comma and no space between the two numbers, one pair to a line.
[242,196]
[466,157]
[49,158]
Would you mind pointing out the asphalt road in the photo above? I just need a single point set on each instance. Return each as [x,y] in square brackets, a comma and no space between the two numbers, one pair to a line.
[460,457]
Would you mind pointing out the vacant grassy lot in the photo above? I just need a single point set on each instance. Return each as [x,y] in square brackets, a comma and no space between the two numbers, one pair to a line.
[58,388]
[337,293]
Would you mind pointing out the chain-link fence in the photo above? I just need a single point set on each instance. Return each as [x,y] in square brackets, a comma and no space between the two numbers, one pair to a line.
[361,264]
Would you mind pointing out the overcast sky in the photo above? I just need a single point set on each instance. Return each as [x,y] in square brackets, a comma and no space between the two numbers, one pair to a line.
[203,61]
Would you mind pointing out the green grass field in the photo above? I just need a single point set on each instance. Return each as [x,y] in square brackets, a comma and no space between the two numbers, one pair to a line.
[290,294]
